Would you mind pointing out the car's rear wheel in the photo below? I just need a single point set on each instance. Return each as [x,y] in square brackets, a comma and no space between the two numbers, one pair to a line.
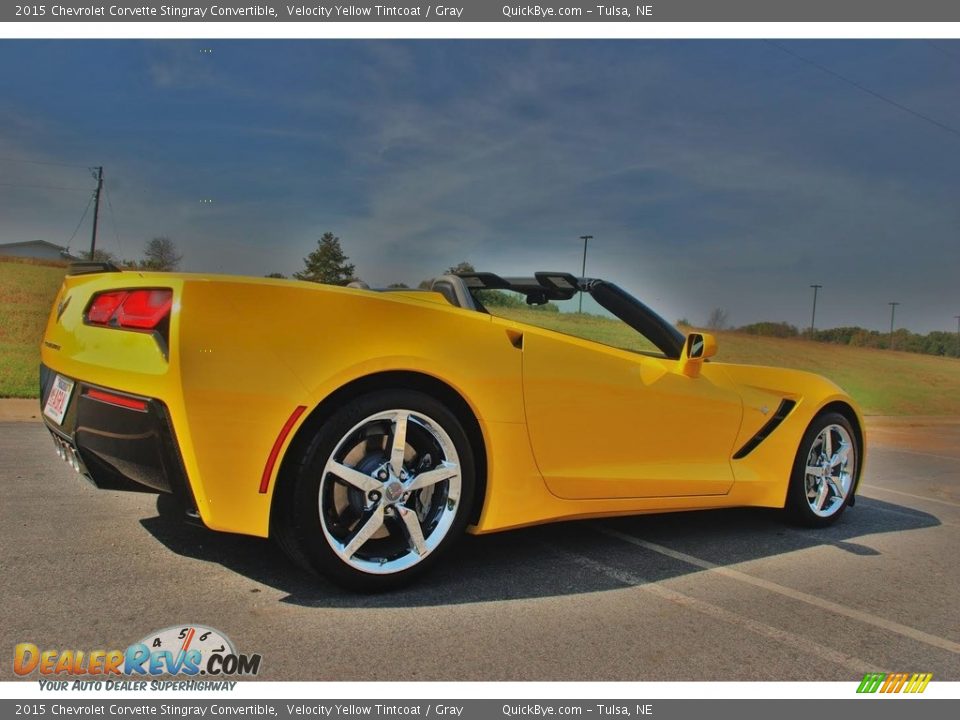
[382,491]
[824,472]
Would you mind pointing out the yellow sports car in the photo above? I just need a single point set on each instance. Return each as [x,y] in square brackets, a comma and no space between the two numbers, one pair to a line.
[367,430]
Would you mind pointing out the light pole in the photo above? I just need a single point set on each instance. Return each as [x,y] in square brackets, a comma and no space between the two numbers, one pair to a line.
[813,317]
[893,309]
[583,270]
[958,335]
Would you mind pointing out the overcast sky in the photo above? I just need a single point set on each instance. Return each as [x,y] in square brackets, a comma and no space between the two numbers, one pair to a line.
[726,174]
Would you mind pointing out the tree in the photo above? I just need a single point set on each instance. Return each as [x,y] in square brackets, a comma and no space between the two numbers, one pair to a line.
[277,275]
[100,256]
[771,329]
[465,267]
[460,267]
[327,264]
[398,286]
[718,319]
[161,254]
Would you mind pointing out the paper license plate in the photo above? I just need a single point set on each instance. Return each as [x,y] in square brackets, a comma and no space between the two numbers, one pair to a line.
[59,399]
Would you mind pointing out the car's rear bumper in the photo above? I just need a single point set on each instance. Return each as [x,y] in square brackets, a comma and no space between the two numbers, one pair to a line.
[118,440]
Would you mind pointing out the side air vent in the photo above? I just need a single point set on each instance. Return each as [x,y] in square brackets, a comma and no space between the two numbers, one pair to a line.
[772,424]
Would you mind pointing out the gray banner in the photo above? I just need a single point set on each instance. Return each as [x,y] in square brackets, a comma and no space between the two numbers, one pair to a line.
[487,11]
[853,709]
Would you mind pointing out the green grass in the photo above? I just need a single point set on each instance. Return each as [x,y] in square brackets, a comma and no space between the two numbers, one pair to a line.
[882,381]
[27,291]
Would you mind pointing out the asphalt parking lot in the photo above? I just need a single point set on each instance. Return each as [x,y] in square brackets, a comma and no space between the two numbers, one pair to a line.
[724,595]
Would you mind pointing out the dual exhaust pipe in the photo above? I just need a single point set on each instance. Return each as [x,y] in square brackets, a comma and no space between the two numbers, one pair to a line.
[68,454]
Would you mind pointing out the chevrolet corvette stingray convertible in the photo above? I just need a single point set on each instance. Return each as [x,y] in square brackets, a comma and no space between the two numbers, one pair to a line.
[367,430]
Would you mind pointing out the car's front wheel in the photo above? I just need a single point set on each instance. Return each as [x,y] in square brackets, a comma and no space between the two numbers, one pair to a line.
[382,490]
[824,472]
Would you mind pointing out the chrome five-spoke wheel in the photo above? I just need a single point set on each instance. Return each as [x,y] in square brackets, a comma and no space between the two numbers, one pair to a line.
[828,475]
[825,471]
[384,487]
[390,491]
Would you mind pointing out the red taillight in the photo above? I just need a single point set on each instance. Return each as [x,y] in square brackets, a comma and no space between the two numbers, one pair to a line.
[134,309]
[144,309]
[103,307]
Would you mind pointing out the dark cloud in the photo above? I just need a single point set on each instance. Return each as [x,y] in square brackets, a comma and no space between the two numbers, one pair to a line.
[711,174]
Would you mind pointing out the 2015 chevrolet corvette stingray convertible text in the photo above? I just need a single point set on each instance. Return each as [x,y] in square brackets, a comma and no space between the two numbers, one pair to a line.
[367,430]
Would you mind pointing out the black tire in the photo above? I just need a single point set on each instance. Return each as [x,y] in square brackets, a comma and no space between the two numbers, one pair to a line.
[833,488]
[324,514]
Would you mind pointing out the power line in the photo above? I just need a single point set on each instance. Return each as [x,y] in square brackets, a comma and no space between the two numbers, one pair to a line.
[42,162]
[85,211]
[944,50]
[44,187]
[900,106]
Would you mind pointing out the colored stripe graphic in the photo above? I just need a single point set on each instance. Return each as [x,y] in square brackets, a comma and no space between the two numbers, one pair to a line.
[918,683]
[894,682]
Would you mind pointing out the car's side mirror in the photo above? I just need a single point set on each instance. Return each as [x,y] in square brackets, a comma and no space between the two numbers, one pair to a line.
[697,348]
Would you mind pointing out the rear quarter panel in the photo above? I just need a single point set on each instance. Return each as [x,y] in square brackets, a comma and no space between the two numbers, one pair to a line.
[251,352]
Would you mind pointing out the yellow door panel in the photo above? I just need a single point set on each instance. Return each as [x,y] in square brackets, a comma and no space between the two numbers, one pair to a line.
[606,423]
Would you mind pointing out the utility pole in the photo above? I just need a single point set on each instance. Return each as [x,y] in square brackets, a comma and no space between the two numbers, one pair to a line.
[813,318]
[958,335]
[583,270]
[96,210]
[893,309]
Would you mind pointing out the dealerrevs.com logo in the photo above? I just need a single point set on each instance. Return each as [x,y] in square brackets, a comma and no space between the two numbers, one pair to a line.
[190,650]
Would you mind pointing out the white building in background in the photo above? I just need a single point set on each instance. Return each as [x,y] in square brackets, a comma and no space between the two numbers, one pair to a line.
[37,249]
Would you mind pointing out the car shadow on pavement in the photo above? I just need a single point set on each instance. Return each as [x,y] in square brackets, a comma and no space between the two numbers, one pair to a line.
[554,560]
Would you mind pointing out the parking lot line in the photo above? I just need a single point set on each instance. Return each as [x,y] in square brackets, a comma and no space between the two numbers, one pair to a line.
[941,523]
[860,616]
[887,448]
[784,637]
[911,495]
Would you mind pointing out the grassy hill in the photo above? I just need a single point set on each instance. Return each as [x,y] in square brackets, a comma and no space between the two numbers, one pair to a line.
[27,291]
[884,382]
